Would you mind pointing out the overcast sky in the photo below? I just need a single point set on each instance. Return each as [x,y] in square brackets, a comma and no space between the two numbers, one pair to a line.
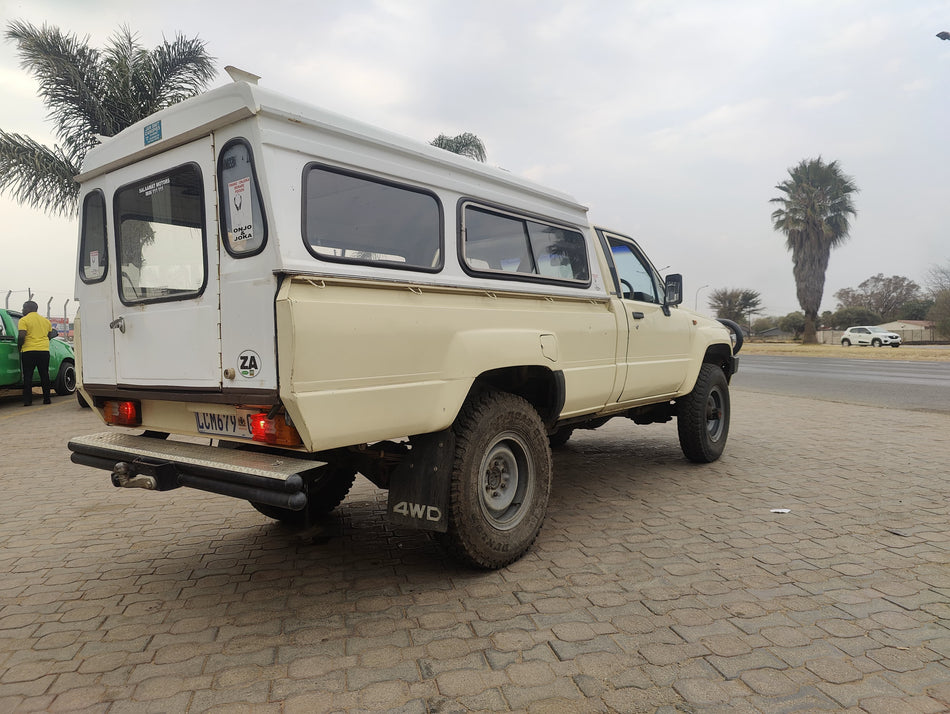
[673,120]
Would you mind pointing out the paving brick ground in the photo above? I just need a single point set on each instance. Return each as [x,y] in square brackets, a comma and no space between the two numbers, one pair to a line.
[656,585]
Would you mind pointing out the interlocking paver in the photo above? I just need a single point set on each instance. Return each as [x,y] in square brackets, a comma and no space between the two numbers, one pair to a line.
[655,585]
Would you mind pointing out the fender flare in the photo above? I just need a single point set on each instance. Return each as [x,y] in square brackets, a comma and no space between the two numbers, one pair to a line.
[734,329]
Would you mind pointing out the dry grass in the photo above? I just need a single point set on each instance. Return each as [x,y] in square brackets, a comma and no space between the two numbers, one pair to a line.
[912,354]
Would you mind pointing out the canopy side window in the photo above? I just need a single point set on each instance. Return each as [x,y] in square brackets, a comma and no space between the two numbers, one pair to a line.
[507,245]
[160,237]
[244,225]
[93,253]
[355,218]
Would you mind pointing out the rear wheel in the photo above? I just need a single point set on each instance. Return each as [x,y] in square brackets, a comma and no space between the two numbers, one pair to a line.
[500,482]
[845,343]
[324,493]
[66,379]
[702,417]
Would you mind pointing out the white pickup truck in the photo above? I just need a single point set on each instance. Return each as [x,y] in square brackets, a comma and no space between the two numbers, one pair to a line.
[280,298]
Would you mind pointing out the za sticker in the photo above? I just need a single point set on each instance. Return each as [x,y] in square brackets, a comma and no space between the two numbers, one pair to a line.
[249,363]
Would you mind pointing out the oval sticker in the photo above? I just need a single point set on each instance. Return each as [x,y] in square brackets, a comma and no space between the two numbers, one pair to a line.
[249,363]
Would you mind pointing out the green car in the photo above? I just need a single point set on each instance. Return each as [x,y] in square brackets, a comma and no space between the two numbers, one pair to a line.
[62,361]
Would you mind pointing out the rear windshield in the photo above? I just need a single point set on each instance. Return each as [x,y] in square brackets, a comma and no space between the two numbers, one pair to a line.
[160,237]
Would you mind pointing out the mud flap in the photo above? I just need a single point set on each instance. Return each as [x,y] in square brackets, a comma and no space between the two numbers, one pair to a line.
[419,487]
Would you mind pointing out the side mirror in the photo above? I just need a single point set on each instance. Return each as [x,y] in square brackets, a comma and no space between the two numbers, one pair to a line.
[674,289]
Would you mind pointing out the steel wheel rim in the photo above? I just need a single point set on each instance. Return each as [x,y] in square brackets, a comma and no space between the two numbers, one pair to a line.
[505,481]
[715,408]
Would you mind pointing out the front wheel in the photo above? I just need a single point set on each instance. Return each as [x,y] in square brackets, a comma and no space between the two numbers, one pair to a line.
[875,343]
[501,480]
[66,379]
[702,417]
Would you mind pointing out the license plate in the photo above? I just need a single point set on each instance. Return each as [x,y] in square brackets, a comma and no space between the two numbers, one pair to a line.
[223,424]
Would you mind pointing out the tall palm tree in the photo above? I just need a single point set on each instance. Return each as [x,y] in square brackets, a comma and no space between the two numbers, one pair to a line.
[466,144]
[90,92]
[814,214]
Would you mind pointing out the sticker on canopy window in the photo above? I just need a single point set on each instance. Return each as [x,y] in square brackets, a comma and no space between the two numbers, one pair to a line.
[239,201]
[249,363]
[94,264]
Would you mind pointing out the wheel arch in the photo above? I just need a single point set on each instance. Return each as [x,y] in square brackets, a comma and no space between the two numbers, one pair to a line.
[541,387]
[721,356]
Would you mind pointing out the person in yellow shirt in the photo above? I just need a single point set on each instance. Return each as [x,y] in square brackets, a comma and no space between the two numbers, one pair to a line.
[33,338]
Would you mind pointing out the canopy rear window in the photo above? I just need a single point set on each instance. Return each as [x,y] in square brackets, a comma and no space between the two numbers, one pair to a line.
[160,237]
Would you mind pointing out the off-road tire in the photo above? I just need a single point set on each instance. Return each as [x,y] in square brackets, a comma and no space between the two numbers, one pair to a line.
[702,416]
[66,379]
[500,482]
[560,437]
[320,500]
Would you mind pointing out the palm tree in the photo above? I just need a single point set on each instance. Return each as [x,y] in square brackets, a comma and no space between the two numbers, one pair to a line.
[814,215]
[736,304]
[89,92]
[466,144]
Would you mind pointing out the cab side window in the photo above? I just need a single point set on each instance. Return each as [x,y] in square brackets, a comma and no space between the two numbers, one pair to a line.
[244,228]
[93,256]
[636,276]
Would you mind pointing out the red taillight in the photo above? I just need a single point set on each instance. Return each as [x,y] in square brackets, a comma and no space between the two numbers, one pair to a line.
[122,413]
[273,431]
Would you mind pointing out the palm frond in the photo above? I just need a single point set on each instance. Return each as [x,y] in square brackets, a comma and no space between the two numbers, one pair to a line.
[67,70]
[464,144]
[38,176]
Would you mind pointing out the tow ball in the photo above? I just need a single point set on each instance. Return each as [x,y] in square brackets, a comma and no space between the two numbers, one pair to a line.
[122,478]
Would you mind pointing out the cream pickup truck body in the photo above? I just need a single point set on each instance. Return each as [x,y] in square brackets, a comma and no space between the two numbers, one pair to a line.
[281,298]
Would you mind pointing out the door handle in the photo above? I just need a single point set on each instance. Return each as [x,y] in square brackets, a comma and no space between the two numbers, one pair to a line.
[637,315]
[118,324]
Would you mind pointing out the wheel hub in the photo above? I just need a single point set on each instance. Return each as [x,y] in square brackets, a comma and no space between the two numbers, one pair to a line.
[502,469]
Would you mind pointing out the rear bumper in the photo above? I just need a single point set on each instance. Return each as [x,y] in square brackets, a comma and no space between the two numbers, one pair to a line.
[159,465]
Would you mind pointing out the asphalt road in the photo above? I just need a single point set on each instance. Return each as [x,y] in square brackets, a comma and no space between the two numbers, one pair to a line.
[921,386]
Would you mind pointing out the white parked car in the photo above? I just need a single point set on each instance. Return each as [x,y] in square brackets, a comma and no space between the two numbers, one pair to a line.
[874,336]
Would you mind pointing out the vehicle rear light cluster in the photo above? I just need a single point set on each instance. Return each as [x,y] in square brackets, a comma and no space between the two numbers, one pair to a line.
[274,430]
[128,413]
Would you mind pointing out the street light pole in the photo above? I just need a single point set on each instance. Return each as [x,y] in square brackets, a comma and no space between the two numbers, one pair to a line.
[696,302]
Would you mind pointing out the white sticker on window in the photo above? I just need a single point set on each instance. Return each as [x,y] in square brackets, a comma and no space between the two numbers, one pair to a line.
[94,264]
[242,224]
